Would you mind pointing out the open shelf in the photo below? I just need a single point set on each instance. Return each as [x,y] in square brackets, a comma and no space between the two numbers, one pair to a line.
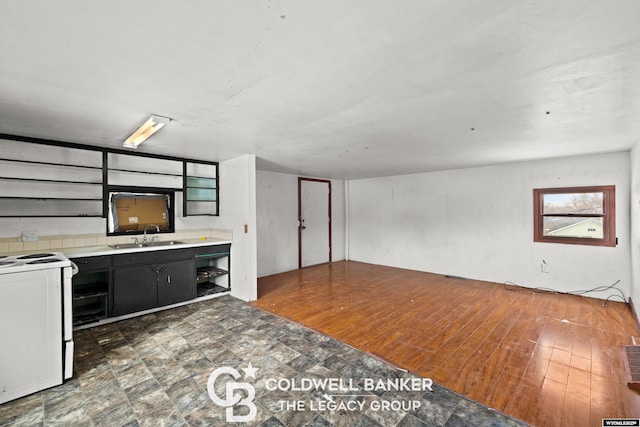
[210,273]
[80,319]
[210,289]
[43,207]
[145,172]
[43,180]
[212,270]
[93,292]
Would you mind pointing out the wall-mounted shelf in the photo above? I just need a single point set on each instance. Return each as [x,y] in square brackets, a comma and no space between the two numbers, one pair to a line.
[49,181]
[136,171]
[44,178]
[26,207]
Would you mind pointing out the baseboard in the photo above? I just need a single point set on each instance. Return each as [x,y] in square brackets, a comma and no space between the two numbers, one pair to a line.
[634,313]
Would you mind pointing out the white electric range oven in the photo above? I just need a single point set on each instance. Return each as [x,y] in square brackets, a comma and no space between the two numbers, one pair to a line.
[36,326]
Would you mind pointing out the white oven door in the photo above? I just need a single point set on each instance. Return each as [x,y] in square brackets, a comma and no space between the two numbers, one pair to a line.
[30,332]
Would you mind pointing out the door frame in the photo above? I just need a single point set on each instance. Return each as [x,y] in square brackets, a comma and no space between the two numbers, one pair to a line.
[300,179]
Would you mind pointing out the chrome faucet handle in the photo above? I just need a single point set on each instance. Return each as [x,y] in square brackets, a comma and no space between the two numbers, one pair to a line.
[135,240]
[154,238]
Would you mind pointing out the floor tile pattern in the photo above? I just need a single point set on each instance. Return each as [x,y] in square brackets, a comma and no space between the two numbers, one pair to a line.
[154,370]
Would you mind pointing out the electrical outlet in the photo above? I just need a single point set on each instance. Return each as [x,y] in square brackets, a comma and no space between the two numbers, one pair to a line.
[544,267]
[29,236]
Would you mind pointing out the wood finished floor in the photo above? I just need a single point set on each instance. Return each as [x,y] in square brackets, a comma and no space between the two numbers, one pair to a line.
[549,360]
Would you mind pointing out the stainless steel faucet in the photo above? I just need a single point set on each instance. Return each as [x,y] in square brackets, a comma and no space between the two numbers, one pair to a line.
[144,238]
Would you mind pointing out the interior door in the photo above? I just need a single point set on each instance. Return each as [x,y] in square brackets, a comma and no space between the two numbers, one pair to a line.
[314,221]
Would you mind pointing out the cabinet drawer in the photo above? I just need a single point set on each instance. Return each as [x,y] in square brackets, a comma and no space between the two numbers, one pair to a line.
[152,257]
[93,263]
[203,251]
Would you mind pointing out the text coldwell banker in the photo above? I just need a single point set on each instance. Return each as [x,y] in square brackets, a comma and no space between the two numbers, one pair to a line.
[345,385]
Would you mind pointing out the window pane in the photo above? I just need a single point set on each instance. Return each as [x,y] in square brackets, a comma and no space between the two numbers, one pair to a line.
[201,194]
[559,226]
[201,182]
[573,203]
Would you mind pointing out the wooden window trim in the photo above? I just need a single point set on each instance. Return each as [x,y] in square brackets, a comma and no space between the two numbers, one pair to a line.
[608,223]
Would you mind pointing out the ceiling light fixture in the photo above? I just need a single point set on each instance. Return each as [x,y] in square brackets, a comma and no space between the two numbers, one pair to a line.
[148,128]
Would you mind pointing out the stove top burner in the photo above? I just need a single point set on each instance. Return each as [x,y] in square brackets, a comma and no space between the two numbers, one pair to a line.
[35,256]
[44,261]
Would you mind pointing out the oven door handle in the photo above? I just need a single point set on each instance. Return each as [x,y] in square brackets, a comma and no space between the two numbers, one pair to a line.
[67,320]
[74,268]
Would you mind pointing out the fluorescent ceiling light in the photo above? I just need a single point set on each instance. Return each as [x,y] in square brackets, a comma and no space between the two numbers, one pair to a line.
[148,128]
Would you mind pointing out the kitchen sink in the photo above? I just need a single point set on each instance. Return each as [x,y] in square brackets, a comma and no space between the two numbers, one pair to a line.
[167,243]
[145,245]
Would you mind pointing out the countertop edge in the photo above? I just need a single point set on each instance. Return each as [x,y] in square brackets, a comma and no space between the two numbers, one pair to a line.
[90,251]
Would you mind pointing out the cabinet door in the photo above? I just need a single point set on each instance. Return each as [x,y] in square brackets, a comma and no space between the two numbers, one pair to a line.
[177,282]
[134,289]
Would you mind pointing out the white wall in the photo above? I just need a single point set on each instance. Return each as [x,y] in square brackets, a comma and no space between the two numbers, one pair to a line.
[478,223]
[635,227]
[277,219]
[237,209]
[338,218]
[12,227]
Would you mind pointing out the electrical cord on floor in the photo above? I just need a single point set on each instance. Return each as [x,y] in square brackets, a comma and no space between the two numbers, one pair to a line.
[581,292]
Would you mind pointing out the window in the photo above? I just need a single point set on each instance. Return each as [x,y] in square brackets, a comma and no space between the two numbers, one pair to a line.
[575,215]
[133,210]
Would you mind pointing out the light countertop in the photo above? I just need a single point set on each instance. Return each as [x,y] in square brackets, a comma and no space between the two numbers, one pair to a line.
[87,251]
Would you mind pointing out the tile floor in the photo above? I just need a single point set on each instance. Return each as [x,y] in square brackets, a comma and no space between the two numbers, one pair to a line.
[154,371]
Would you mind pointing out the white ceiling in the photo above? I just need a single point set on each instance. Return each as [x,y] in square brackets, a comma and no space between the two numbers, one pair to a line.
[335,89]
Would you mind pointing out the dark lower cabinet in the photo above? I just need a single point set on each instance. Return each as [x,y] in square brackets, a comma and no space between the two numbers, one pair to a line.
[152,279]
[134,289]
[115,285]
[176,282]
